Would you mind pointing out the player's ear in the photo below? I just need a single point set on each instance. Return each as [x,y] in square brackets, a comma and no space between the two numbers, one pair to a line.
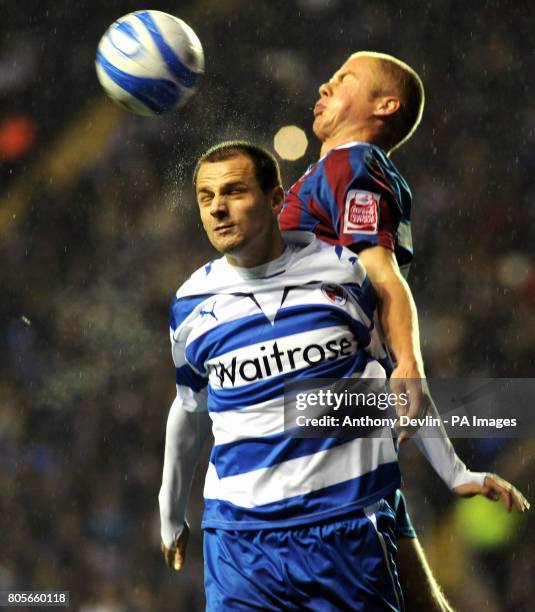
[386,105]
[277,199]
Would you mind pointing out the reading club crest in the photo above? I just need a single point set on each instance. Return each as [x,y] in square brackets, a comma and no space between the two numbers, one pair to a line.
[334,293]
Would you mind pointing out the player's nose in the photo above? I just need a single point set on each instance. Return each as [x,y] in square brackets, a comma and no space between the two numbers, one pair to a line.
[219,209]
[325,89]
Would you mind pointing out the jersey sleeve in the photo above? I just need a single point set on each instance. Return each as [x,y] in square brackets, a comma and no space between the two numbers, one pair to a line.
[365,208]
[439,451]
[184,439]
[191,384]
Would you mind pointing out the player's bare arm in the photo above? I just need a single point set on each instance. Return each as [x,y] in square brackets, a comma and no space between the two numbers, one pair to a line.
[399,320]
[399,317]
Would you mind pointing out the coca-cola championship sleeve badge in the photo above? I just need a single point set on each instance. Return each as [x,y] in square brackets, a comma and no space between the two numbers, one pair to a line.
[361,213]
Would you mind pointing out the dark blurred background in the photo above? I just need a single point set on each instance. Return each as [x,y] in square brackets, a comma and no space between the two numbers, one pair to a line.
[98,228]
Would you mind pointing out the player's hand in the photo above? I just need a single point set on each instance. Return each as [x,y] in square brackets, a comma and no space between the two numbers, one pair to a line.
[495,488]
[409,379]
[175,556]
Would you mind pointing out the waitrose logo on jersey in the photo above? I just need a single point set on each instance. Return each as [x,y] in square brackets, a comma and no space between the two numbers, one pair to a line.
[266,359]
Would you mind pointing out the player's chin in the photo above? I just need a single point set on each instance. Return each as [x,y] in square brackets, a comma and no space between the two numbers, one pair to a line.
[319,129]
[226,244]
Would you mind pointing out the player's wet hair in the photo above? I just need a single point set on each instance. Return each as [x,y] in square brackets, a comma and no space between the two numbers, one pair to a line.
[393,73]
[267,169]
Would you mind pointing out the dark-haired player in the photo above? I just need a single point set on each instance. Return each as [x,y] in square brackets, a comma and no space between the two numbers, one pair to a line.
[289,523]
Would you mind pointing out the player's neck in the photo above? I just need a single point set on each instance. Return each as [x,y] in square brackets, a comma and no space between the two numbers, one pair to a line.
[258,254]
[344,137]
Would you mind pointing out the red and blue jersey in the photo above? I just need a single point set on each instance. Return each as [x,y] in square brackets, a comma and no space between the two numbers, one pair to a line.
[353,196]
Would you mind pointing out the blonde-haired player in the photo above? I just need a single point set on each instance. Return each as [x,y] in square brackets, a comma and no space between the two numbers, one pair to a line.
[354,196]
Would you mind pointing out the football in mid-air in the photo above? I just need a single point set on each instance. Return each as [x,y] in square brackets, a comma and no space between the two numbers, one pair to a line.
[150,62]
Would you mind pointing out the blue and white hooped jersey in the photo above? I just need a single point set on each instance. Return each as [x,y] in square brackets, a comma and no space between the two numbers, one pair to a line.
[237,335]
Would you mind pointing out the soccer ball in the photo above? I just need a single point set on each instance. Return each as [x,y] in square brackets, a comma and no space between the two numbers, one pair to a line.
[149,62]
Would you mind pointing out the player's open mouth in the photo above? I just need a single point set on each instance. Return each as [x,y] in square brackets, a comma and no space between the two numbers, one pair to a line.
[318,109]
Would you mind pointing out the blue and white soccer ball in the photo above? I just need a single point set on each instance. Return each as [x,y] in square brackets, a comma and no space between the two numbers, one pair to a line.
[149,62]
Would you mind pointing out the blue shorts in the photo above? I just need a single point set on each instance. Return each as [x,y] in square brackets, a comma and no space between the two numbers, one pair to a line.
[348,564]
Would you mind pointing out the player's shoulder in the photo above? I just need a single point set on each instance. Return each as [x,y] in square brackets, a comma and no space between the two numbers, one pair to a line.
[339,164]
[195,290]
[371,163]
[353,160]
[201,280]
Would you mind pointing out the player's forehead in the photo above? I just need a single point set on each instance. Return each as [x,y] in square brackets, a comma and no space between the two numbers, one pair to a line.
[239,168]
[359,65]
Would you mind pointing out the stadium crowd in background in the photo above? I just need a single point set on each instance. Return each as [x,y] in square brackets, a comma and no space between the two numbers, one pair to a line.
[97,223]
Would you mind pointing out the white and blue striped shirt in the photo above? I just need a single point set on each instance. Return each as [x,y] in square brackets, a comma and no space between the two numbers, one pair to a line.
[239,334]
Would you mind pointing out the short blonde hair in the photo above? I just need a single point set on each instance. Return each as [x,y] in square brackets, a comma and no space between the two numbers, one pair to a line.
[408,86]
